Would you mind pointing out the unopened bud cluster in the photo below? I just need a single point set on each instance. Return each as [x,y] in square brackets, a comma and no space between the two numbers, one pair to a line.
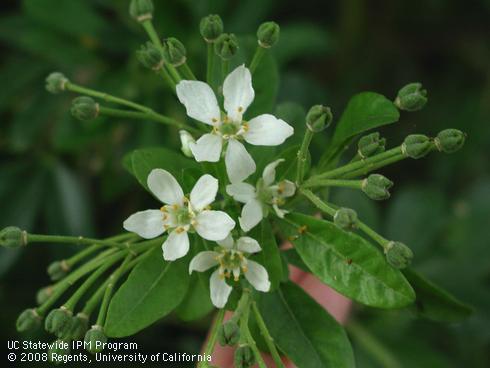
[371,145]
[377,187]
[412,97]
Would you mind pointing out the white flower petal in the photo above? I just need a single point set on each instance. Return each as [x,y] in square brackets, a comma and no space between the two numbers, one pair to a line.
[220,290]
[251,215]
[213,225]
[227,242]
[267,130]
[238,92]
[279,212]
[176,246]
[147,224]
[241,192]
[165,187]
[269,173]
[203,261]
[207,148]
[257,275]
[199,101]
[204,192]
[248,245]
[288,188]
[239,164]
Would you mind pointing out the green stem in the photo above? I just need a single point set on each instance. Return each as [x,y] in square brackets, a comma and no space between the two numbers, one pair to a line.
[97,296]
[365,170]
[187,72]
[341,171]
[76,275]
[329,210]
[301,157]
[106,111]
[80,240]
[267,337]
[110,287]
[354,184]
[259,53]
[72,261]
[225,66]
[72,302]
[213,336]
[249,338]
[105,97]
[373,346]
[166,77]
[210,64]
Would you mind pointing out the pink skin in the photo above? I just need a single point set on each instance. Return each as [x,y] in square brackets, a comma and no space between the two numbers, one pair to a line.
[336,304]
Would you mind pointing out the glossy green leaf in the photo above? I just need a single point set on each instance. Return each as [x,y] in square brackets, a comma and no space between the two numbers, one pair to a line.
[304,331]
[142,161]
[269,257]
[365,111]
[153,289]
[197,302]
[347,262]
[435,303]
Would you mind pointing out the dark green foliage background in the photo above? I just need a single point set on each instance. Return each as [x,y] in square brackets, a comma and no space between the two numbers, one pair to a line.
[58,175]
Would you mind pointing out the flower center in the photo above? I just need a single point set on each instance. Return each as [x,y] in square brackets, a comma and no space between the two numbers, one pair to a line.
[228,128]
[231,262]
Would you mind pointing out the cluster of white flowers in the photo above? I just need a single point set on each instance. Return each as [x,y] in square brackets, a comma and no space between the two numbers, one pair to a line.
[181,215]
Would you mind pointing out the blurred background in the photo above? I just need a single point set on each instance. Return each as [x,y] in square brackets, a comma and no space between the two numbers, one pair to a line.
[58,175]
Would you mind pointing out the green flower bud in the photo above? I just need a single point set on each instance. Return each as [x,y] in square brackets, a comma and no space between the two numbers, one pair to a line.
[370,145]
[226,46]
[412,97]
[229,333]
[398,254]
[58,349]
[318,118]
[211,27]
[268,34]
[55,82]
[84,108]
[186,139]
[346,219]
[150,56]
[141,10]
[79,327]
[95,339]
[244,357]
[376,187]
[58,269]
[416,146]
[59,322]
[44,294]
[28,320]
[13,237]
[174,51]
[450,140]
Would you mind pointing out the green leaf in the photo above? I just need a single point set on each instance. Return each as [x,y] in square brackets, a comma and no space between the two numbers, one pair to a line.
[304,330]
[142,161]
[269,257]
[197,302]
[435,303]
[347,262]
[365,111]
[153,289]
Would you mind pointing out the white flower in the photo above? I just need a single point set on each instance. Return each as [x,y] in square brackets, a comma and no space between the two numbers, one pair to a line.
[231,257]
[180,215]
[201,104]
[257,199]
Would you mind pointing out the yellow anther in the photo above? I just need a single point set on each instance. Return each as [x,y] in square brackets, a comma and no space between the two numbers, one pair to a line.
[164,209]
[244,268]
[302,229]
[292,237]
[240,109]
[180,230]
[214,120]
[175,206]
